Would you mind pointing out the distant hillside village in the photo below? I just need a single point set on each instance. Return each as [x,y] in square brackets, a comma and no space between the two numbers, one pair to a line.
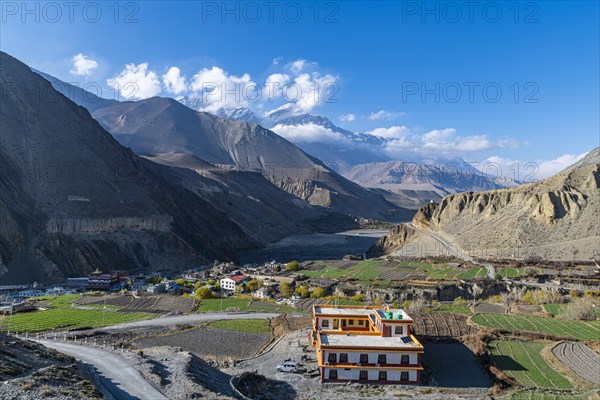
[303,284]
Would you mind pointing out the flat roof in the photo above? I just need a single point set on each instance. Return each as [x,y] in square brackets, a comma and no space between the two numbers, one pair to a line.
[369,341]
[341,311]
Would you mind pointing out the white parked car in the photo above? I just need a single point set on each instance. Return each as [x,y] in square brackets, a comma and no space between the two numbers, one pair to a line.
[288,366]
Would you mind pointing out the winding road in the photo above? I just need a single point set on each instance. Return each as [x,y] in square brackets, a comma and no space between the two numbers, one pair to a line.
[116,374]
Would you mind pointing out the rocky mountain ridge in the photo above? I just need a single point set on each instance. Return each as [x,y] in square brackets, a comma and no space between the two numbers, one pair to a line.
[552,219]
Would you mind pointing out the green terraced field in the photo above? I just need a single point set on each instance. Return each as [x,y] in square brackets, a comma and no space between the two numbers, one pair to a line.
[66,318]
[523,362]
[454,308]
[555,327]
[512,272]
[243,304]
[531,395]
[243,325]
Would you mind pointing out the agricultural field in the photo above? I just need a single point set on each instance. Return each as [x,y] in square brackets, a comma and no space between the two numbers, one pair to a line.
[242,304]
[580,359]
[441,324]
[549,326]
[454,308]
[523,362]
[536,395]
[512,272]
[382,272]
[558,310]
[243,325]
[66,319]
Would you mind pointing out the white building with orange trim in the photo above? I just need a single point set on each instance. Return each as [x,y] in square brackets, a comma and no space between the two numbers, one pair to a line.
[365,344]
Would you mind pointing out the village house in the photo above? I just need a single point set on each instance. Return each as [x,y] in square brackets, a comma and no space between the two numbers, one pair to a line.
[230,282]
[365,344]
[262,293]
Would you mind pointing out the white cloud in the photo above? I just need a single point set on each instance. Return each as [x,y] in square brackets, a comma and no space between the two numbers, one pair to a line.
[273,86]
[311,133]
[135,82]
[173,81]
[309,90]
[386,115]
[277,60]
[448,143]
[298,65]
[527,171]
[347,117]
[222,90]
[393,132]
[83,65]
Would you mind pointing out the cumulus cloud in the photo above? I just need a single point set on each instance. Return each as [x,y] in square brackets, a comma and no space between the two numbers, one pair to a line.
[173,81]
[447,142]
[347,117]
[273,86]
[393,132]
[527,171]
[384,115]
[135,82]
[311,133]
[83,65]
[220,89]
[298,65]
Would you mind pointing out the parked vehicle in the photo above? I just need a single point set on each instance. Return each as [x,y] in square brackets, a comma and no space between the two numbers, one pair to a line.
[288,366]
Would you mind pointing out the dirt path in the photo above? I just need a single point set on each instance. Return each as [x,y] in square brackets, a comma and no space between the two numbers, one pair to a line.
[117,375]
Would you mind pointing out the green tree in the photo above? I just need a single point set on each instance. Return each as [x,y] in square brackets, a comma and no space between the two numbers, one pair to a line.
[240,288]
[181,282]
[303,291]
[292,266]
[204,293]
[317,293]
[358,297]
[253,285]
[286,290]
[211,282]
[154,280]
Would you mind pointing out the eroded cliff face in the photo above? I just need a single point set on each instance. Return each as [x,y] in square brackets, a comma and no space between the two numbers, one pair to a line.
[555,219]
[398,236]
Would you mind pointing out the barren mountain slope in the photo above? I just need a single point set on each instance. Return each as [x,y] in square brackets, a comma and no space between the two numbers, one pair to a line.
[73,199]
[553,219]
[160,125]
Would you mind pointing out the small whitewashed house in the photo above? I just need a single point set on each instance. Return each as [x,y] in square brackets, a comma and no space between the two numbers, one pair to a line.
[262,293]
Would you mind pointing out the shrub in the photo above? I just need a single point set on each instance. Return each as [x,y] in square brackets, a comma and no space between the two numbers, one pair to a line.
[303,291]
[292,266]
[459,301]
[204,293]
[358,297]
[286,290]
[317,293]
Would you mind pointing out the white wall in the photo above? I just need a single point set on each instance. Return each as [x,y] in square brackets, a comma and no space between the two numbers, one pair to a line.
[372,374]
[391,358]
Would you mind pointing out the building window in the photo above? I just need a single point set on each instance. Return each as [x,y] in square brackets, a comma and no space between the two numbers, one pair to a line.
[364,358]
[351,322]
[332,358]
[404,359]
[333,374]
[363,376]
[381,359]
[343,358]
[361,322]
[398,330]
[404,376]
[325,323]
[383,375]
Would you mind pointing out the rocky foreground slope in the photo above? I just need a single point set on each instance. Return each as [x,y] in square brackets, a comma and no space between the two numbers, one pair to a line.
[552,219]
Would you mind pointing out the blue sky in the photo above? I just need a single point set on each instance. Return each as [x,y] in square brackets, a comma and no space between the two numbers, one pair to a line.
[377,58]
